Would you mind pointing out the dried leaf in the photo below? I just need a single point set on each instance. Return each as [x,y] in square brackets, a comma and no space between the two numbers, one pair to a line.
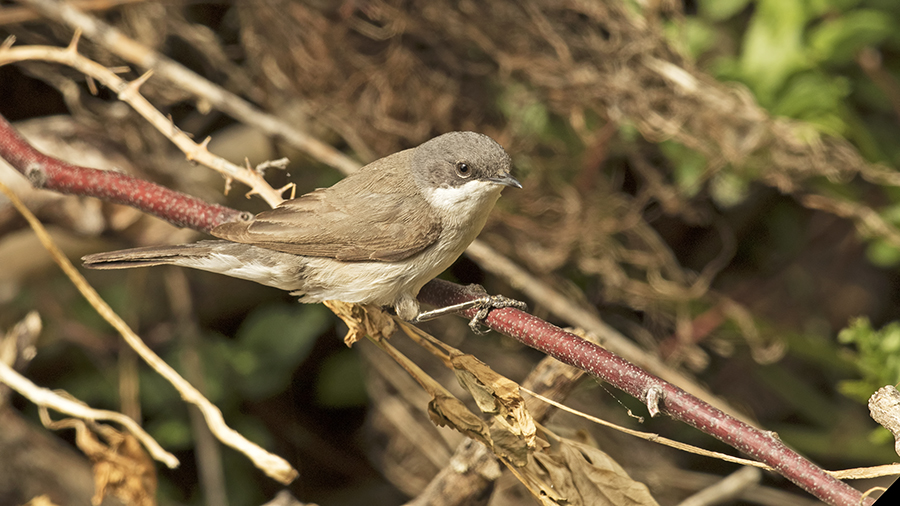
[583,475]
[17,346]
[362,321]
[121,466]
[513,430]
[481,393]
[884,408]
[41,500]
[446,410]
[125,471]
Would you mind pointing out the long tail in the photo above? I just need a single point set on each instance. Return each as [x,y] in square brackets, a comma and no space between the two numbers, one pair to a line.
[244,261]
[180,254]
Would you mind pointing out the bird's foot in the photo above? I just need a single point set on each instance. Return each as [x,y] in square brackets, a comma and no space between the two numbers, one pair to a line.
[488,302]
[484,303]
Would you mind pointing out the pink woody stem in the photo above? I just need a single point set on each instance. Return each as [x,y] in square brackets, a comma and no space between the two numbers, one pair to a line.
[680,405]
[46,172]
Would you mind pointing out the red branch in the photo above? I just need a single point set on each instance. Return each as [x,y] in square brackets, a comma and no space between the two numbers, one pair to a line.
[187,211]
[680,405]
[50,173]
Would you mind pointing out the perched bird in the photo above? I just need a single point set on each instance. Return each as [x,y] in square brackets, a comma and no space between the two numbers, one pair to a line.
[375,237]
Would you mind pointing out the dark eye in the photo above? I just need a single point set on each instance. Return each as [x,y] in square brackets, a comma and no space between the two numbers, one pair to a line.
[463,169]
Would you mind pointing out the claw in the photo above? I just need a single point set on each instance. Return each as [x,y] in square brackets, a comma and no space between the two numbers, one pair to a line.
[484,303]
[488,302]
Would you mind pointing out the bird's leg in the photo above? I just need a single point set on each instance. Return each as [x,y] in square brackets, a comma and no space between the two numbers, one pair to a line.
[484,303]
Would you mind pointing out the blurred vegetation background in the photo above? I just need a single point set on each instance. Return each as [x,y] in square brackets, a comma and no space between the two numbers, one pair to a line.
[717,179]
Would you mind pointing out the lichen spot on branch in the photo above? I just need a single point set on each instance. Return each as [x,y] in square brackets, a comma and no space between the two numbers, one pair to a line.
[36,175]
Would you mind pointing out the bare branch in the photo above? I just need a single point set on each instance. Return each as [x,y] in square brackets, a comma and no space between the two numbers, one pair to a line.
[54,174]
[49,399]
[273,465]
[130,50]
[725,490]
[673,401]
[128,93]
[571,312]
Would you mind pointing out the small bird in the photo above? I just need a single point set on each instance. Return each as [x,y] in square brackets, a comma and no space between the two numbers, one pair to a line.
[375,237]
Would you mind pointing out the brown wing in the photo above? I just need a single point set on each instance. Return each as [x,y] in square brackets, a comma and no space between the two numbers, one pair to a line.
[370,215]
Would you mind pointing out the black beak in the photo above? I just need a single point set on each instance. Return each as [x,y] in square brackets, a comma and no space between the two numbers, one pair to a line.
[506,180]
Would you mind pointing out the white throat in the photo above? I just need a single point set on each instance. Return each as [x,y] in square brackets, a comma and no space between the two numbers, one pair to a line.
[470,203]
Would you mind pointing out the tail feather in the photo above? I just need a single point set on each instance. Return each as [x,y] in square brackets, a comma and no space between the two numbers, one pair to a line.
[244,261]
[151,255]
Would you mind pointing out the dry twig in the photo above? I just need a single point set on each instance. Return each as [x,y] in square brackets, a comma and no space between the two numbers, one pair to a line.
[273,465]
[132,51]
[129,93]
[48,399]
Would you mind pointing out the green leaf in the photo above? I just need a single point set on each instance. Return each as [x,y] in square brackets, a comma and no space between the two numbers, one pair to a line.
[172,433]
[826,7]
[815,98]
[688,166]
[728,189]
[773,46]
[340,383]
[719,10]
[891,213]
[877,358]
[883,254]
[272,342]
[527,115]
[693,35]
[839,39]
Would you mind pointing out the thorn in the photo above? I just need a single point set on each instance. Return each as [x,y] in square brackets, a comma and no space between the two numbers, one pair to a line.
[121,69]
[92,85]
[293,188]
[8,43]
[251,193]
[175,132]
[199,149]
[228,181]
[73,44]
[134,86]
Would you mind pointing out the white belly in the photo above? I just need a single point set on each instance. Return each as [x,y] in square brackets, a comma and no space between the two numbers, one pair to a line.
[464,213]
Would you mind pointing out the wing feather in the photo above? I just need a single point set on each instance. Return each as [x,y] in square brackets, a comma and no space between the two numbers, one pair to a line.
[373,214]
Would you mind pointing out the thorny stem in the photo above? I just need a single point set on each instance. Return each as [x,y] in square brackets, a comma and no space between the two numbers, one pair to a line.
[187,211]
[184,79]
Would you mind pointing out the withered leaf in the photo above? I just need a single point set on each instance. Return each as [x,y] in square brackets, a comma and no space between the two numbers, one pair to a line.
[583,475]
[513,430]
[362,321]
